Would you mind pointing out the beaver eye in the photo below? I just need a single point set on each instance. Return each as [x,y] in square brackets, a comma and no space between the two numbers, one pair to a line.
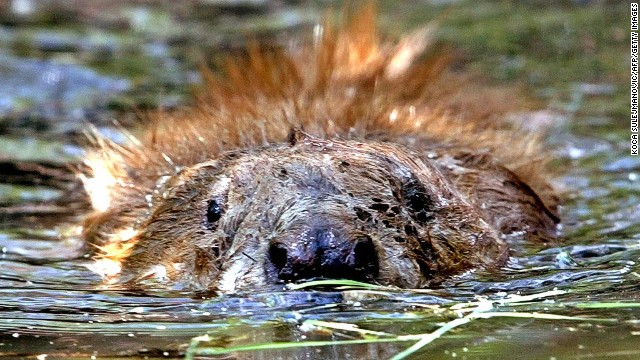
[214,212]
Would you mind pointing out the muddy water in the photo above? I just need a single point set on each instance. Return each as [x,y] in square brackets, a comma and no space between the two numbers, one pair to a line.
[58,77]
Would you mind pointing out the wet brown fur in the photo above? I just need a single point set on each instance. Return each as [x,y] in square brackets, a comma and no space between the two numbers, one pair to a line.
[350,88]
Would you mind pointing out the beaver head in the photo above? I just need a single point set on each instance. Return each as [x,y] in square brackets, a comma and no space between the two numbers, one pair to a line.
[212,195]
[310,209]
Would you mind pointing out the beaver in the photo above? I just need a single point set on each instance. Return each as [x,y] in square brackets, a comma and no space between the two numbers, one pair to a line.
[354,157]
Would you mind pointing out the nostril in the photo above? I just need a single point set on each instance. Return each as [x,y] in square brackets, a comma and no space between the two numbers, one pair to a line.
[326,255]
[278,255]
[366,257]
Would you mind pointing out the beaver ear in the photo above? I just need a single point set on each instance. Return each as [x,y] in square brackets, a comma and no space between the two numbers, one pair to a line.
[417,199]
[296,134]
[214,213]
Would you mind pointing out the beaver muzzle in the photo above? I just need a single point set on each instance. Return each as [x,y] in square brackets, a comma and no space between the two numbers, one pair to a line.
[324,253]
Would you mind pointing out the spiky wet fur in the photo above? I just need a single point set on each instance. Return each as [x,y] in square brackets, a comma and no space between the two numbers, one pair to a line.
[350,84]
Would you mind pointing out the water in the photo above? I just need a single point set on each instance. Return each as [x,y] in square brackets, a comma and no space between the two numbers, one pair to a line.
[585,300]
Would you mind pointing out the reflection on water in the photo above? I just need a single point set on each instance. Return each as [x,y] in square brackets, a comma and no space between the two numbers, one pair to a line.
[50,303]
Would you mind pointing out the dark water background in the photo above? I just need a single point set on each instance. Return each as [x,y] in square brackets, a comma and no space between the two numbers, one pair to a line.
[67,64]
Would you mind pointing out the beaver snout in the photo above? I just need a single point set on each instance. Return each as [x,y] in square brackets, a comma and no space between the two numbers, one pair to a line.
[326,253]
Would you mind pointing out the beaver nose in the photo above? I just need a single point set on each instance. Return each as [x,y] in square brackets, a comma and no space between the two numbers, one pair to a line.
[322,254]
